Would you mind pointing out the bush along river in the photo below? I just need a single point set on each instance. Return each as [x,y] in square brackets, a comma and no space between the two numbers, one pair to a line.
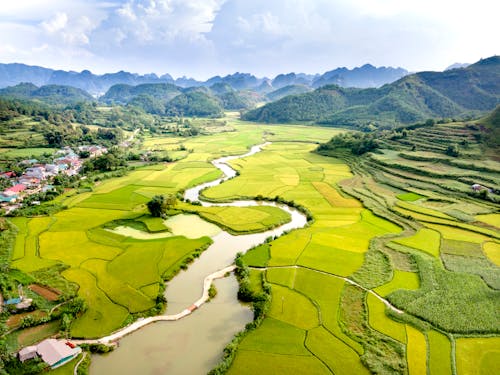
[191,335]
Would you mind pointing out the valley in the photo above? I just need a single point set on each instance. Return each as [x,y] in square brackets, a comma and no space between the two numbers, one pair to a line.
[360,280]
[162,220]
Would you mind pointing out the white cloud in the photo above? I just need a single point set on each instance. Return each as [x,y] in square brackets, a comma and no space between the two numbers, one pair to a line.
[206,37]
[56,23]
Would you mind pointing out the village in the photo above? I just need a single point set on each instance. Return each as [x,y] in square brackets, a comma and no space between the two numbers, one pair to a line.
[38,177]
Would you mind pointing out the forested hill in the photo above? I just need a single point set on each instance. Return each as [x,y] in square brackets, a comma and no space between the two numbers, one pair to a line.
[49,94]
[451,94]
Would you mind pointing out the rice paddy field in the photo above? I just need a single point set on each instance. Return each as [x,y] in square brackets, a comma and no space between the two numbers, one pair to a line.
[120,276]
[429,254]
[396,273]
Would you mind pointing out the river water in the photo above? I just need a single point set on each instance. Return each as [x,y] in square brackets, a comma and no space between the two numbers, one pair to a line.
[193,345]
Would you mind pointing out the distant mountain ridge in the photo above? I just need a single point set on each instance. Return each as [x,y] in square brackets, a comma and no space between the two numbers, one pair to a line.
[365,76]
[413,98]
[50,94]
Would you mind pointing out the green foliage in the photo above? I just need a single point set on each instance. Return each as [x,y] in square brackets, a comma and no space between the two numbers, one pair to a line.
[194,103]
[490,129]
[50,94]
[452,150]
[444,300]
[261,302]
[355,143]
[109,161]
[212,291]
[97,348]
[143,96]
[160,204]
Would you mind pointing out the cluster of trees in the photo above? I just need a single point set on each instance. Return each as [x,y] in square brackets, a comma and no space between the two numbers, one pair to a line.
[109,161]
[159,205]
[355,143]
[67,135]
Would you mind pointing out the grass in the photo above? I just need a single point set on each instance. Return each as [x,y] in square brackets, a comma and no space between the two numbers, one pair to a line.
[26,152]
[443,299]
[478,355]
[379,321]
[462,248]
[409,197]
[334,353]
[102,315]
[119,291]
[32,335]
[281,276]
[241,219]
[491,219]
[425,239]
[308,282]
[250,362]
[439,353]
[258,256]
[293,308]
[275,336]
[153,224]
[317,323]
[400,280]
[416,351]
[492,251]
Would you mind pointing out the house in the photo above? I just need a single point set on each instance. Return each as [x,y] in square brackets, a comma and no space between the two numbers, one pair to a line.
[29,161]
[35,172]
[29,181]
[51,169]
[8,174]
[8,198]
[27,353]
[56,353]
[12,301]
[20,302]
[15,190]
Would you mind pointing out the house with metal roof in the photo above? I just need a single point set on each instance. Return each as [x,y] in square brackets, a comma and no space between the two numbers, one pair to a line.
[26,353]
[56,353]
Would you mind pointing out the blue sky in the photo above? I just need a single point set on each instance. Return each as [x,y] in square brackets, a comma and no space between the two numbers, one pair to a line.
[202,38]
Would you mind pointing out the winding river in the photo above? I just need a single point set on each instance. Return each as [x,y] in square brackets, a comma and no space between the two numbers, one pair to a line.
[193,344]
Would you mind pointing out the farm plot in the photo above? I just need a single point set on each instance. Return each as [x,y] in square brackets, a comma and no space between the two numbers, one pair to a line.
[338,249]
[117,275]
[241,219]
[478,355]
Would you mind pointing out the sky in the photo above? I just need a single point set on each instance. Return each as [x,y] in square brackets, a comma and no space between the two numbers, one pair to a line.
[203,38]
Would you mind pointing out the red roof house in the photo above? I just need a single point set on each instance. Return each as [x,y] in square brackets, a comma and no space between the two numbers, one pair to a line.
[16,188]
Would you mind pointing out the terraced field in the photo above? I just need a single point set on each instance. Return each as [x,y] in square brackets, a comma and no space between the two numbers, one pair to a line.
[419,252]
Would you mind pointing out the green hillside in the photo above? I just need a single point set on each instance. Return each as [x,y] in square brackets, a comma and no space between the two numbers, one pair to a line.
[288,90]
[123,94]
[450,94]
[194,103]
[49,94]
[490,126]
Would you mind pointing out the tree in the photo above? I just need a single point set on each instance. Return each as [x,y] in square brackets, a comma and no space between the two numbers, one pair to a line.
[452,150]
[156,206]
[159,204]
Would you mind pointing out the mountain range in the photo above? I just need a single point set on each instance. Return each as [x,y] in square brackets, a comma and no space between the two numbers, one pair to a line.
[416,97]
[455,93]
[365,76]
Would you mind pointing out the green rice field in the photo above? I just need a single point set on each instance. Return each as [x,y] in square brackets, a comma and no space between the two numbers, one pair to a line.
[400,235]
